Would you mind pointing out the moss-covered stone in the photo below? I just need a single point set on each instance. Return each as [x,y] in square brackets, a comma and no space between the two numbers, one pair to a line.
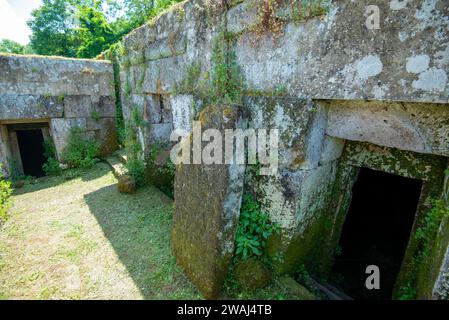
[294,289]
[206,212]
[252,274]
[126,184]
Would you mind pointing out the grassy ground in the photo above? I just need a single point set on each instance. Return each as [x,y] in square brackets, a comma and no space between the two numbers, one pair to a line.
[81,239]
[76,237]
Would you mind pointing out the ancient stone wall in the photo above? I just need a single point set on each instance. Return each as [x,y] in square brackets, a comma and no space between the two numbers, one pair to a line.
[64,93]
[320,80]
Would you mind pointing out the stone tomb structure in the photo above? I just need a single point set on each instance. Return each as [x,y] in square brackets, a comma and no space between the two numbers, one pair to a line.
[362,114]
[355,108]
[43,98]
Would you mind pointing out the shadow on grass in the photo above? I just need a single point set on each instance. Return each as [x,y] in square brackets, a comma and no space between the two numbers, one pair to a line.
[36,184]
[138,228]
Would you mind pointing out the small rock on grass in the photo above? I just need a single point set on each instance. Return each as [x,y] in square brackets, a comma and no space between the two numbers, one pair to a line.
[126,184]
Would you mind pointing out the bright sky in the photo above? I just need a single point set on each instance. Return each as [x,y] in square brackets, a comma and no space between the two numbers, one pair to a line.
[13,17]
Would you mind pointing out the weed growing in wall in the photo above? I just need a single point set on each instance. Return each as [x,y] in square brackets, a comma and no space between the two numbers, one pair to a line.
[425,236]
[227,81]
[255,226]
[254,229]
[303,10]
[5,196]
[223,84]
[81,151]
[115,52]
[135,163]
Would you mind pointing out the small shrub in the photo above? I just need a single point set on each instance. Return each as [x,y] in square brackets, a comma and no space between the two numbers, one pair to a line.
[52,166]
[81,152]
[95,115]
[5,196]
[254,229]
[136,169]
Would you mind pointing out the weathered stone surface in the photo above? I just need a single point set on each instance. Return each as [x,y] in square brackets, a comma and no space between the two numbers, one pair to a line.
[105,106]
[207,208]
[65,92]
[173,45]
[181,107]
[338,58]
[29,107]
[55,76]
[60,131]
[412,126]
[107,136]
[77,106]
[126,184]
[160,133]
[294,289]
[252,274]
[333,57]
[152,111]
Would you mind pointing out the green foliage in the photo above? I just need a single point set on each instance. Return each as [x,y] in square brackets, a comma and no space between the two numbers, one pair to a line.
[95,115]
[85,28]
[303,10]
[95,33]
[224,83]
[425,236]
[5,196]
[227,82]
[254,229]
[136,169]
[10,46]
[407,293]
[426,233]
[53,28]
[135,163]
[81,152]
[113,54]
[61,98]
[52,166]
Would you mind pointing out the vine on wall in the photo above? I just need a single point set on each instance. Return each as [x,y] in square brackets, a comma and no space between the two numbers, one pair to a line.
[425,236]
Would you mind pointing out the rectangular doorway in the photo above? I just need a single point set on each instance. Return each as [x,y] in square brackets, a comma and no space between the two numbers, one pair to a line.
[376,232]
[31,146]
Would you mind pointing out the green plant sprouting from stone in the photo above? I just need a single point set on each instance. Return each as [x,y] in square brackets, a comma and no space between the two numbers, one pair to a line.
[5,196]
[114,53]
[135,162]
[227,81]
[223,84]
[425,236]
[303,10]
[254,229]
[255,226]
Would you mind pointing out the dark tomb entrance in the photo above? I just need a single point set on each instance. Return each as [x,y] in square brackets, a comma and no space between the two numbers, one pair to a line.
[31,151]
[376,232]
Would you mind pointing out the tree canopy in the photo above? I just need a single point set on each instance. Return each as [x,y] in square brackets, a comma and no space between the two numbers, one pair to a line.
[85,28]
[10,46]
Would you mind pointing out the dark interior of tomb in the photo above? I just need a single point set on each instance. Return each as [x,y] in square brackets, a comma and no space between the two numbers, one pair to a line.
[31,151]
[376,232]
